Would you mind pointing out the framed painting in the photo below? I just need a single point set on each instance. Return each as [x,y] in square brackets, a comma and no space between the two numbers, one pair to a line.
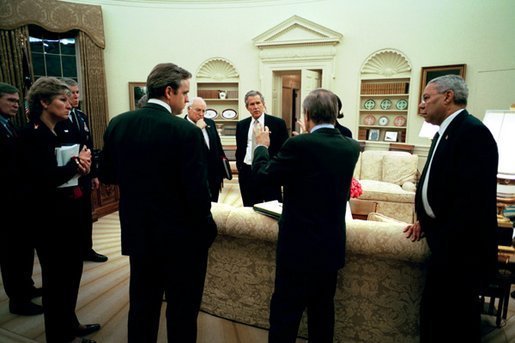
[429,73]
[136,91]
[373,135]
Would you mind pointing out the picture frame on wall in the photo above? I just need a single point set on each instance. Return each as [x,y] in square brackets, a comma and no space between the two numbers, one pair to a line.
[391,136]
[136,91]
[373,135]
[429,73]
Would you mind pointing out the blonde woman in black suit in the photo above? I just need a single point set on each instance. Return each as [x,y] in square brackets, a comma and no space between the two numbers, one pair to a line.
[159,162]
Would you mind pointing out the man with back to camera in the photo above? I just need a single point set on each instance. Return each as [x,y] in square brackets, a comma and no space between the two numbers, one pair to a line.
[315,170]
[72,131]
[215,151]
[456,208]
[159,162]
[250,192]
[16,250]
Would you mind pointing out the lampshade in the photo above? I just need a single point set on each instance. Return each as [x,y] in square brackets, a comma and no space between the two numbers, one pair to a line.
[428,130]
[502,126]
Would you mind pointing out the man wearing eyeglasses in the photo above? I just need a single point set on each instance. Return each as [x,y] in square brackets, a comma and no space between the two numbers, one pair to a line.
[456,209]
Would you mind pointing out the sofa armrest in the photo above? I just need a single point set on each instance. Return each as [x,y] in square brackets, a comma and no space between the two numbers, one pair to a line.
[384,240]
[244,222]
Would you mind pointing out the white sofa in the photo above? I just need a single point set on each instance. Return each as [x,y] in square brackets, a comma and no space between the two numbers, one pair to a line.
[378,292]
[389,178]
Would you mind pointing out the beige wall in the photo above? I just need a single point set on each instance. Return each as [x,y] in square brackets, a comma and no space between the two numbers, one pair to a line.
[429,33]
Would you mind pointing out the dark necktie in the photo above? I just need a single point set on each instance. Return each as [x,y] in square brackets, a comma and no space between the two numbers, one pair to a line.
[424,171]
[10,128]
[75,118]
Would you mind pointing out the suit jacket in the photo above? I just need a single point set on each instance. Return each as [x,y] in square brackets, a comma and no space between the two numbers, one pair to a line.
[8,172]
[158,160]
[462,193]
[215,155]
[316,172]
[278,136]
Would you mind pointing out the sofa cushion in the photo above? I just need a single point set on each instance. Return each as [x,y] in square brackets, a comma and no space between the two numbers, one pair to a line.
[399,167]
[372,165]
[357,168]
[385,191]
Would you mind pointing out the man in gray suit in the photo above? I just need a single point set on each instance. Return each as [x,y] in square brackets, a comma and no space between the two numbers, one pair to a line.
[159,162]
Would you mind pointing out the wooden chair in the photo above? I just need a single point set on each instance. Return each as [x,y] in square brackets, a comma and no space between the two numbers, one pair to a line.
[361,208]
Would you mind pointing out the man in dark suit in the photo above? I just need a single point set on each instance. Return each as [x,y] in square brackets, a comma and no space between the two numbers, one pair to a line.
[456,209]
[250,192]
[215,151]
[16,249]
[76,130]
[316,172]
[158,160]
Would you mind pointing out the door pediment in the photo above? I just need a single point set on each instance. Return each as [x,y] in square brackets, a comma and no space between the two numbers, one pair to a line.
[297,31]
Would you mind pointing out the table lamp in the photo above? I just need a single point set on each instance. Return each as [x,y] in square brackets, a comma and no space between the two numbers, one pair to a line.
[502,125]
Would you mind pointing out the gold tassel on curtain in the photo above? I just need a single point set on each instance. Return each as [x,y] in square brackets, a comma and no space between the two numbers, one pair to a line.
[94,87]
[12,62]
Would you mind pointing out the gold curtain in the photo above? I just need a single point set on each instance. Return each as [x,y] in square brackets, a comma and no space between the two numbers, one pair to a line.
[12,60]
[93,90]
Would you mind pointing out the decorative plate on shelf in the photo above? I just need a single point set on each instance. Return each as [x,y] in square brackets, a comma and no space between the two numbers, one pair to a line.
[399,121]
[386,104]
[369,104]
[401,104]
[210,113]
[383,121]
[369,120]
[229,113]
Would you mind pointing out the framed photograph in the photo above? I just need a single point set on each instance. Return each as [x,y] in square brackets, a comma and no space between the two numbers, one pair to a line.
[429,73]
[373,135]
[390,136]
[136,91]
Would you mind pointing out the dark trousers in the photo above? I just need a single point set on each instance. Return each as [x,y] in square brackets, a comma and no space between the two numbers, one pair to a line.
[60,254]
[180,276]
[447,289]
[17,261]
[86,225]
[294,291]
[254,193]
[214,189]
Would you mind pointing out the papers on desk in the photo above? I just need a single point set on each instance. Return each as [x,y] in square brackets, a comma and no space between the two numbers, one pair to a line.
[63,155]
[272,209]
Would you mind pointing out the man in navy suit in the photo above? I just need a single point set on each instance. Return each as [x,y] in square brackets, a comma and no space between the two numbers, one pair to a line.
[159,162]
[250,192]
[456,209]
[316,171]
[16,249]
[215,151]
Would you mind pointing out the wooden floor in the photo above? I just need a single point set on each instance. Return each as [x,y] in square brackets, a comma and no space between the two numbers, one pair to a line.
[103,298]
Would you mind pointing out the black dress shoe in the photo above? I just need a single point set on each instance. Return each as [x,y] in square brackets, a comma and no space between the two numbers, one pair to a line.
[87,340]
[25,308]
[36,292]
[86,329]
[93,256]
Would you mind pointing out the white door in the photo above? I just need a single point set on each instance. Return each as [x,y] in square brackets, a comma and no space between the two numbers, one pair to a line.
[310,79]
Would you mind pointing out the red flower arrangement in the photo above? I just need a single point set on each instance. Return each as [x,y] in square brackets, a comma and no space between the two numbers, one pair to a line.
[355,189]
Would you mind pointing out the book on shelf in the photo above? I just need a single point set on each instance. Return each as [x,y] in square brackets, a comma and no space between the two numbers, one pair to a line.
[272,208]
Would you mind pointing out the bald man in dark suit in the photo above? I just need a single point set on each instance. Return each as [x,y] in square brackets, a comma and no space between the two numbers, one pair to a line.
[316,171]
[456,209]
